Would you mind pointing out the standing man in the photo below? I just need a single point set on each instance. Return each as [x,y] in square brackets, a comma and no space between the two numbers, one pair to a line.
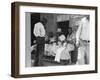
[39,32]
[83,40]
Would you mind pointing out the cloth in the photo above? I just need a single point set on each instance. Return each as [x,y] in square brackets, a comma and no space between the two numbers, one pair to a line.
[71,37]
[39,30]
[71,41]
[39,51]
[50,49]
[82,38]
[83,31]
[62,37]
[74,55]
[65,54]
[58,53]
[70,47]
[83,53]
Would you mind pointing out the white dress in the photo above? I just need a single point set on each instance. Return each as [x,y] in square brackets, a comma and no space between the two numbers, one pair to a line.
[58,53]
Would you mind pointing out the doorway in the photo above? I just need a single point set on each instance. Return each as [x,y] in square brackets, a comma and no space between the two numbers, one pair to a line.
[64,25]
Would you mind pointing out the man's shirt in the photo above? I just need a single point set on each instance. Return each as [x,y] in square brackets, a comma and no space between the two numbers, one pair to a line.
[83,31]
[39,30]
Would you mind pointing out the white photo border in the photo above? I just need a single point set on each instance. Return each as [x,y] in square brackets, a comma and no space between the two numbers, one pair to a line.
[54,69]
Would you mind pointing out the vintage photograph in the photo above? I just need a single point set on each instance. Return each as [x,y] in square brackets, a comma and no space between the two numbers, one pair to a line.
[52,39]
[58,39]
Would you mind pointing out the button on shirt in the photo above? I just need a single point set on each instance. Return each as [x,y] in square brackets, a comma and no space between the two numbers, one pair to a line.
[39,30]
[83,31]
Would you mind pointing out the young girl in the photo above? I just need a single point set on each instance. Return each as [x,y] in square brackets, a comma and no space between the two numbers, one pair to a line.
[65,56]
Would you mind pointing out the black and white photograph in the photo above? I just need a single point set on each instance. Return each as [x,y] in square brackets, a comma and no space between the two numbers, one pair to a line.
[59,39]
[51,39]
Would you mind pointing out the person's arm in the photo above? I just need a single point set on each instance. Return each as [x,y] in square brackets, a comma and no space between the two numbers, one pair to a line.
[42,31]
[78,33]
[35,30]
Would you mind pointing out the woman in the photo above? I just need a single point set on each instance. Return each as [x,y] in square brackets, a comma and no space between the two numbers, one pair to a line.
[71,45]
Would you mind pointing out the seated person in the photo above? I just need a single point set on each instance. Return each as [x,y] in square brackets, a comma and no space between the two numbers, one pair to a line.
[65,56]
[59,50]
[60,47]
[64,48]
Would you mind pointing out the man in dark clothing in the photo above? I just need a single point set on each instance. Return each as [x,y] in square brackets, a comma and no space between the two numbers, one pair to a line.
[39,32]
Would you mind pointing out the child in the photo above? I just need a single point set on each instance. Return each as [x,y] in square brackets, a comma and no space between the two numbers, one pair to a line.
[59,50]
[65,56]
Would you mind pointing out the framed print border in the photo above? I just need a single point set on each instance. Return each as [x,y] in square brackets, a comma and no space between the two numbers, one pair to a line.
[15,39]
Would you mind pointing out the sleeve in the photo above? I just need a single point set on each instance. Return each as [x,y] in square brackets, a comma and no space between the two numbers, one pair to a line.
[35,30]
[78,32]
[42,31]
